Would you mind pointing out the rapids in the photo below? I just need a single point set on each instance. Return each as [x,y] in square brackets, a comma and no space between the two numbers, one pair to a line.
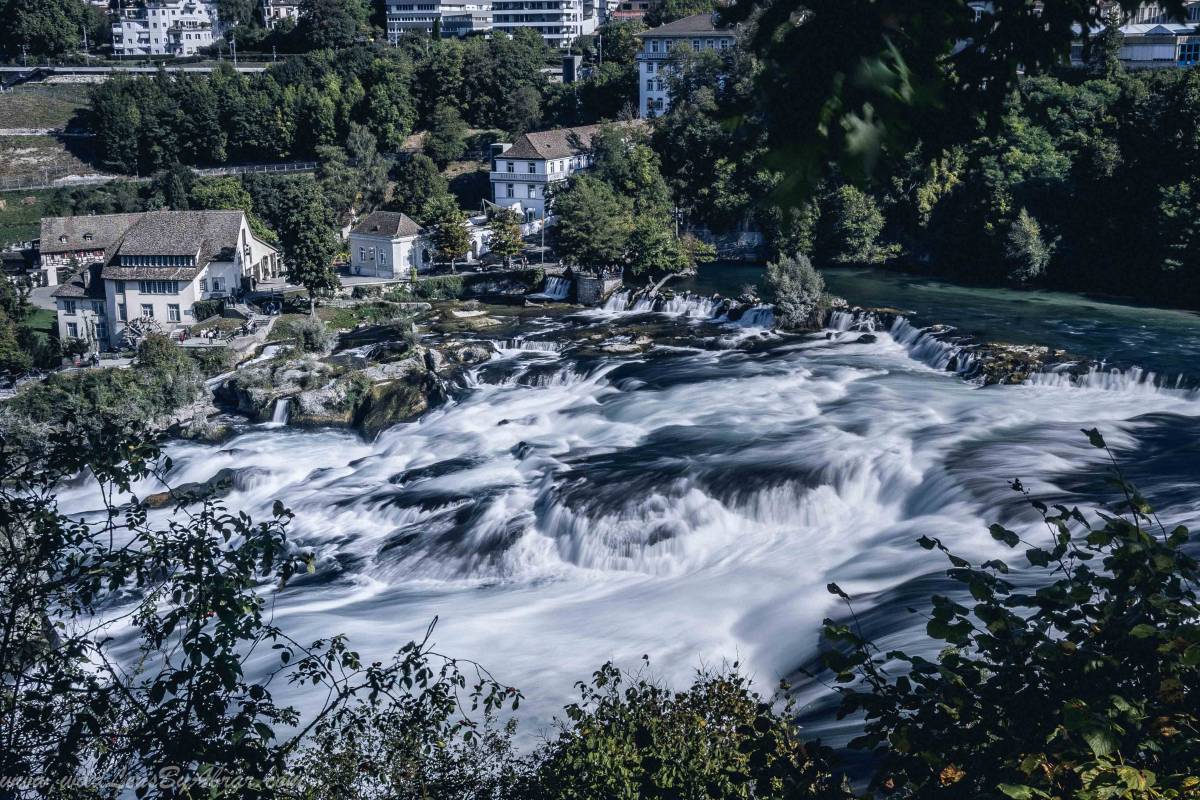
[690,503]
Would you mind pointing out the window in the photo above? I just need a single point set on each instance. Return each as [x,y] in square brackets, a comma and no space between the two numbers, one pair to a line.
[158,287]
[372,255]
[147,310]
[650,86]
[362,254]
[531,168]
[102,330]
[69,307]
[724,44]
[120,287]
[72,330]
[173,312]
[122,312]
[696,44]
[650,68]
[98,307]
[532,189]
[382,257]
[1189,53]
[509,188]
[218,284]
[511,168]
[203,285]
[654,45]
[87,237]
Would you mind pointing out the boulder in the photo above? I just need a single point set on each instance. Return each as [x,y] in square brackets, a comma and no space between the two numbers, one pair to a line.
[390,403]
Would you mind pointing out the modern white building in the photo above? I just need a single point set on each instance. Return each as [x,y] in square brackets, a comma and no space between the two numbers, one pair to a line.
[451,17]
[523,171]
[1150,45]
[166,28]
[155,267]
[693,34]
[559,22]
[276,11]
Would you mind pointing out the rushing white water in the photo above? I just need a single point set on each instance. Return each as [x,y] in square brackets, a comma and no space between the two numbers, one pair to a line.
[279,415]
[557,288]
[687,503]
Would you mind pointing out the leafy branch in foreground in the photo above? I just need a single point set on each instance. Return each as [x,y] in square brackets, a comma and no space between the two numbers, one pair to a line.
[1087,686]
[190,596]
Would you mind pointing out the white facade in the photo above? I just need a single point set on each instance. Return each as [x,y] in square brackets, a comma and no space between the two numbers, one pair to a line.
[559,22]
[453,18]
[276,11]
[97,302]
[166,28]
[693,34]
[523,183]
[381,256]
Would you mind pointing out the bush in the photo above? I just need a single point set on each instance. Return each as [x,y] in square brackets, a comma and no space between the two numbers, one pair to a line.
[1079,679]
[1025,251]
[312,336]
[850,226]
[799,291]
[203,309]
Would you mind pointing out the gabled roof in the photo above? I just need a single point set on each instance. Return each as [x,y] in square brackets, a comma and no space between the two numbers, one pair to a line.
[209,234]
[70,234]
[73,287]
[696,23]
[387,223]
[558,143]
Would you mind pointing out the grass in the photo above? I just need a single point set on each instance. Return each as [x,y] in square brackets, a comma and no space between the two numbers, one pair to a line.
[347,318]
[20,218]
[42,320]
[42,106]
[283,327]
[34,156]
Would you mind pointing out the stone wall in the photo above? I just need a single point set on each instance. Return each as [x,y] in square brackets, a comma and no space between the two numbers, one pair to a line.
[591,290]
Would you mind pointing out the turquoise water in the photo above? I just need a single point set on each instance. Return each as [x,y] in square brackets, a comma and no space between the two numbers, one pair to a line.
[1164,341]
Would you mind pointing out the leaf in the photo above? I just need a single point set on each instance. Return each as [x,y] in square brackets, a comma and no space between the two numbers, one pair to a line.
[1094,437]
[1100,740]
[1016,791]
[1002,534]
[1143,631]
[1191,656]
[833,588]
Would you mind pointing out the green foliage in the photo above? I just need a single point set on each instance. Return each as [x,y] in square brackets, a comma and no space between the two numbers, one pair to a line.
[47,27]
[331,23]
[447,139]
[450,237]
[850,227]
[307,235]
[420,187]
[505,228]
[1077,679]
[798,289]
[312,335]
[1025,249]
[671,10]
[594,223]
[628,737]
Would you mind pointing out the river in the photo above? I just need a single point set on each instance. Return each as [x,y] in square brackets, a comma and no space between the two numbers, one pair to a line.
[692,502]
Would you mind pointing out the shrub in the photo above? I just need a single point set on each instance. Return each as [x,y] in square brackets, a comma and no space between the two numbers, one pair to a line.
[798,289]
[851,224]
[312,336]
[1025,251]
[1079,679]
[203,309]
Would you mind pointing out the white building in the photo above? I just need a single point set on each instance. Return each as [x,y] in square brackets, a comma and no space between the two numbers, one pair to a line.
[388,244]
[1148,45]
[523,171]
[166,28]
[276,11]
[694,34]
[559,22]
[452,17]
[156,266]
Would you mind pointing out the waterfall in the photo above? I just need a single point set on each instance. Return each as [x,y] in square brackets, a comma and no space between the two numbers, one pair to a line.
[534,345]
[556,288]
[762,316]
[280,414]
[617,301]
[1134,380]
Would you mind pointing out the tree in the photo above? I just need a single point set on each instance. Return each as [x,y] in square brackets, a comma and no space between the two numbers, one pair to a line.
[593,224]
[308,238]
[372,167]
[1081,687]
[620,42]
[46,28]
[798,289]
[652,247]
[505,241]
[671,10]
[851,224]
[331,24]
[450,237]
[447,139]
[523,111]
[418,185]
[1025,250]
[624,160]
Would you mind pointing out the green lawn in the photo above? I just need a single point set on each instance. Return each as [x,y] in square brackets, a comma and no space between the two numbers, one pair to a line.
[20,218]
[43,106]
